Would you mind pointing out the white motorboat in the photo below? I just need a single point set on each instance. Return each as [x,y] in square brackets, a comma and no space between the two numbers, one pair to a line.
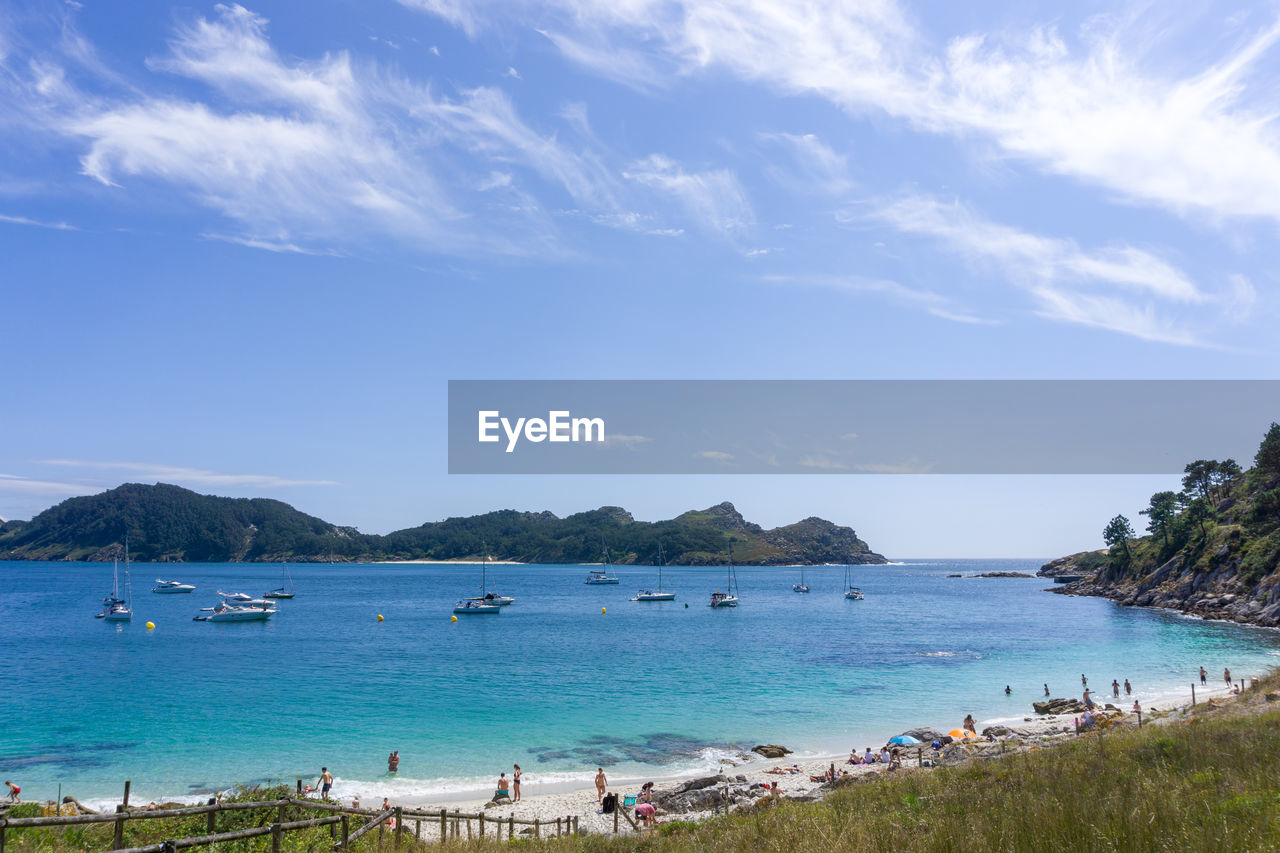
[239,599]
[472,607]
[171,587]
[115,608]
[601,576]
[729,598]
[231,613]
[658,595]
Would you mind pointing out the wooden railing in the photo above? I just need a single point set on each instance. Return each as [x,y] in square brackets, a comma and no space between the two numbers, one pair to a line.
[451,825]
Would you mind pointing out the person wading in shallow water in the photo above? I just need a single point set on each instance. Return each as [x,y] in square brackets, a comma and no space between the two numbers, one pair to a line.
[393,761]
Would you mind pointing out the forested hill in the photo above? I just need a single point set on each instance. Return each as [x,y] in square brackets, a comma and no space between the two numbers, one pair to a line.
[170,523]
[1213,549]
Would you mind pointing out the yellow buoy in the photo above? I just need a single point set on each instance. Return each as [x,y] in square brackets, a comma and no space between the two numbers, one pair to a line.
[379,617]
[453,618]
[151,626]
[602,610]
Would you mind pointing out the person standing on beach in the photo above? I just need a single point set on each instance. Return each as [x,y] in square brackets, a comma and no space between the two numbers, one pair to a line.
[1115,689]
[601,784]
[515,783]
[325,782]
[1088,698]
[1128,688]
[1226,676]
[14,791]
[1204,675]
[393,761]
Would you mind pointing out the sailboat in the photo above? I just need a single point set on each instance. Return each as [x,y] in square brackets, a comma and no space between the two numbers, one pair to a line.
[487,597]
[115,608]
[650,595]
[727,599]
[602,576]
[285,590]
[802,586]
[481,605]
[851,592]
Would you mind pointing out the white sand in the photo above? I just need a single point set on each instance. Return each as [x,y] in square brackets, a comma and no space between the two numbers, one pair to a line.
[549,801]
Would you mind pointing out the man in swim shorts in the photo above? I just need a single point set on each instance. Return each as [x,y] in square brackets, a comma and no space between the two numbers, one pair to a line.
[325,782]
[14,790]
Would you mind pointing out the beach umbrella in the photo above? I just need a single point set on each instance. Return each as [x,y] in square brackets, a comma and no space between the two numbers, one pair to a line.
[961,734]
[903,740]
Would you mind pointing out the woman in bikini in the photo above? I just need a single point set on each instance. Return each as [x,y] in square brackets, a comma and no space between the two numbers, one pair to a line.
[515,784]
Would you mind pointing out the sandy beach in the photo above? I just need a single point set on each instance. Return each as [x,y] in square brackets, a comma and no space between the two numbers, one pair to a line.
[552,800]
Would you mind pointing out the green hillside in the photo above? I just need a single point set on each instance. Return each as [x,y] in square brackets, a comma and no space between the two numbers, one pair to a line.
[169,523]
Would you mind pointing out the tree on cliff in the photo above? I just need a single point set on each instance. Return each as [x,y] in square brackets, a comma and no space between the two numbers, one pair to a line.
[1161,514]
[1118,532]
[1268,458]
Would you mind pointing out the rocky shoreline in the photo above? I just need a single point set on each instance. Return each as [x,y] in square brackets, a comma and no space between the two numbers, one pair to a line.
[1216,594]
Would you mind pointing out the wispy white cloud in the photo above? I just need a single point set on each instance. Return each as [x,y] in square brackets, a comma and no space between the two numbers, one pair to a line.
[1120,287]
[310,154]
[38,223]
[713,199]
[12,483]
[1124,109]
[925,300]
[714,455]
[813,166]
[190,476]
[630,442]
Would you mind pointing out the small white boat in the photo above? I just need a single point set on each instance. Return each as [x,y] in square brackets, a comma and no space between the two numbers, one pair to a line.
[851,592]
[239,599]
[601,575]
[285,590]
[115,608]
[171,587]
[727,599]
[802,586]
[658,595]
[471,607]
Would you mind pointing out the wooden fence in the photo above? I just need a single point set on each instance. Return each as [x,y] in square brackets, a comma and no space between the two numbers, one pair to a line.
[443,825]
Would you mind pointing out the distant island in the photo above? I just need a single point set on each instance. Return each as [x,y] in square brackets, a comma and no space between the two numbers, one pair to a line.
[1213,548]
[168,523]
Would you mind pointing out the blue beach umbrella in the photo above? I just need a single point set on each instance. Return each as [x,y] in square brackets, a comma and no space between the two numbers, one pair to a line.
[904,740]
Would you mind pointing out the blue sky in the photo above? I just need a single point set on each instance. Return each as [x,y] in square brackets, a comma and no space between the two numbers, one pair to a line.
[244,248]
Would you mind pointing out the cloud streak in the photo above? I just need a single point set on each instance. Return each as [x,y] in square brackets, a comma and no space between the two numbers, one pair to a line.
[192,476]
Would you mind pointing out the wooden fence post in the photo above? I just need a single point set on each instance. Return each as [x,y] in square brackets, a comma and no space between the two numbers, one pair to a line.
[125,801]
[299,789]
[417,829]
[117,839]
[511,827]
[558,832]
[575,824]
[444,827]
[211,820]
[399,825]
[1193,695]
[346,832]
[276,834]
[3,811]
[616,807]
[537,828]
[482,823]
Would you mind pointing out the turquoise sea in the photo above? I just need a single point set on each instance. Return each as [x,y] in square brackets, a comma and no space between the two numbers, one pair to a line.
[646,689]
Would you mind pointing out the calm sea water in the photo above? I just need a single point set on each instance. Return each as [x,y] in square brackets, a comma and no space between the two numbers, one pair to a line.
[647,689]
